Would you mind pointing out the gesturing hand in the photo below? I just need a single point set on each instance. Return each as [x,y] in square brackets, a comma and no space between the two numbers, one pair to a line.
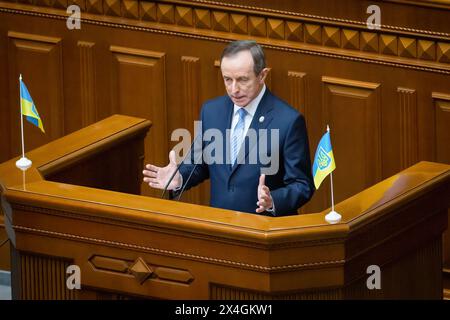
[157,177]
[264,199]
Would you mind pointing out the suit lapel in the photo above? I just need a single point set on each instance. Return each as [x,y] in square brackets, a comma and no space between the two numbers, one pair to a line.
[223,127]
[263,116]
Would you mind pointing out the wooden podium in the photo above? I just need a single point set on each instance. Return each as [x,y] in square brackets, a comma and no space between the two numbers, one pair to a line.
[79,204]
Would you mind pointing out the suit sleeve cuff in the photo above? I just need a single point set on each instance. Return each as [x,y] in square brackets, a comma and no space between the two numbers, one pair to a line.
[271,210]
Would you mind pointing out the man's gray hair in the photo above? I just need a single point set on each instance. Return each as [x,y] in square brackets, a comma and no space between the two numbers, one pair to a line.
[259,61]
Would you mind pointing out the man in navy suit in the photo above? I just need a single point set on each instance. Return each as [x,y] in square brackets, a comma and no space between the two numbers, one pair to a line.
[250,108]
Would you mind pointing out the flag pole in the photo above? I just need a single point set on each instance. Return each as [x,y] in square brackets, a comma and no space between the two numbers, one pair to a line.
[21,115]
[332,217]
[23,163]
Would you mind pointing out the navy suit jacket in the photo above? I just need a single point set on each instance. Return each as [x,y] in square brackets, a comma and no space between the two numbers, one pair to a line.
[236,188]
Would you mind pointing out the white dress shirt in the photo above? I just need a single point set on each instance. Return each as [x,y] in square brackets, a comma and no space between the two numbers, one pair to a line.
[251,110]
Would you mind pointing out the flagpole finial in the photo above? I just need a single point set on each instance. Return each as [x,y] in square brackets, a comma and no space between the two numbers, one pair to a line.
[20,77]
[328,128]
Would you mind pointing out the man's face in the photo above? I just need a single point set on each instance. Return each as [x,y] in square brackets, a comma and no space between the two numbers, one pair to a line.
[241,82]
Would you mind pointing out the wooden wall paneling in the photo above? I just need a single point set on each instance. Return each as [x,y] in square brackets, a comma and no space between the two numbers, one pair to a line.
[353,111]
[441,106]
[40,278]
[5,263]
[191,109]
[297,98]
[191,90]
[39,60]
[409,143]
[87,83]
[139,89]
[5,120]
[297,91]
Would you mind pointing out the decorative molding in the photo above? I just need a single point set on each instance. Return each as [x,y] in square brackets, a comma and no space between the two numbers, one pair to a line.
[220,83]
[190,74]
[165,13]
[191,91]
[313,33]
[144,99]
[141,269]
[184,16]
[87,81]
[407,47]
[124,56]
[297,91]
[443,52]
[202,18]
[275,28]
[369,42]
[323,37]
[441,111]
[184,255]
[47,50]
[388,44]
[140,226]
[311,17]
[297,98]
[331,37]
[130,9]
[257,26]
[80,3]
[361,101]
[94,6]
[350,39]
[112,7]
[42,278]
[147,11]
[223,292]
[426,50]
[409,147]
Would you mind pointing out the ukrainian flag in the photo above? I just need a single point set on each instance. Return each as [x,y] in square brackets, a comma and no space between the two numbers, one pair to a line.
[28,108]
[323,160]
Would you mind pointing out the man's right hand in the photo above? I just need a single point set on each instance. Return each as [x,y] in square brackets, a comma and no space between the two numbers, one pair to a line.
[157,177]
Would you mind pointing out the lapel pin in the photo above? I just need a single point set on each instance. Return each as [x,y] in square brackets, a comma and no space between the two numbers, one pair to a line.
[261,119]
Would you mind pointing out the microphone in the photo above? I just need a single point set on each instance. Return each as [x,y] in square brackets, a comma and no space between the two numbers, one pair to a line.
[189,177]
[179,165]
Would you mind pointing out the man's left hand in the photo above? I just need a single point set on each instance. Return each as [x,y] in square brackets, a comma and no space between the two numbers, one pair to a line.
[264,199]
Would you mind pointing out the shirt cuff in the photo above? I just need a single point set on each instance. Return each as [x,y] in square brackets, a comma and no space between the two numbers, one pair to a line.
[271,210]
[181,184]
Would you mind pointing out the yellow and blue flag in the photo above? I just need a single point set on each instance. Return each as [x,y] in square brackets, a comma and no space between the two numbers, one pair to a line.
[323,160]
[28,108]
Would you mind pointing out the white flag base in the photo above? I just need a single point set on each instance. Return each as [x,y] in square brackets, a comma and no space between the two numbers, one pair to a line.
[23,163]
[333,217]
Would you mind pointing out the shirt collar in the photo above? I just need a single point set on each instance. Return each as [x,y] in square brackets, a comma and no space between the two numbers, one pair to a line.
[253,105]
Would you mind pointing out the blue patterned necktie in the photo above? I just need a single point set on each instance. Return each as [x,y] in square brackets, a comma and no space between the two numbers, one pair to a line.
[236,139]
